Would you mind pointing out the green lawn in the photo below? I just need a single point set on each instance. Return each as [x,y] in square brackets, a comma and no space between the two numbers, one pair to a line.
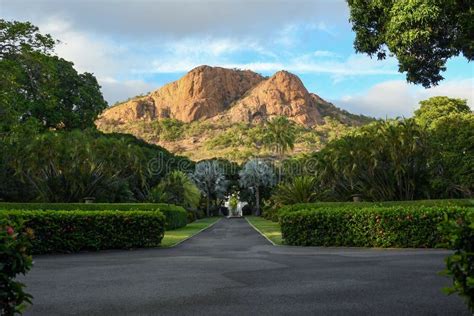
[270,229]
[172,237]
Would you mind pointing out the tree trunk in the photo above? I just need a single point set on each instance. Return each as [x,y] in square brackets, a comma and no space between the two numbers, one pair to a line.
[207,207]
[257,196]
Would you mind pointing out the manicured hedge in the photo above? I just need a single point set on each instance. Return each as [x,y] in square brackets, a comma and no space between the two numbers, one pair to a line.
[395,226]
[176,216]
[72,231]
[274,214]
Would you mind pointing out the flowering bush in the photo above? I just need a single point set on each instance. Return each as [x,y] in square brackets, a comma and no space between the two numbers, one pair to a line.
[15,259]
[460,265]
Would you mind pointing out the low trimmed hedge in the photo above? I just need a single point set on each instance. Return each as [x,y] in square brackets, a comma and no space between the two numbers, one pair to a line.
[71,231]
[367,227]
[273,214]
[176,216]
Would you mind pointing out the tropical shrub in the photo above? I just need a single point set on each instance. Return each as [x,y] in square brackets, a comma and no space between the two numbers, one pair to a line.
[460,265]
[383,161]
[15,259]
[72,231]
[395,226]
[175,215]
[302,189]
[176,188]
[63,166]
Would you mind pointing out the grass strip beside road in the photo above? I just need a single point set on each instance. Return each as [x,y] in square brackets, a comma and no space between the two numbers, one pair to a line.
[176,236]
[270,229]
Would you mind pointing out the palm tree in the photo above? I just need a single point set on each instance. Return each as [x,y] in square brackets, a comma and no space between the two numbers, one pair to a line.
[301,189]
[210,179]
[255,175]
[176,188]
[280,134]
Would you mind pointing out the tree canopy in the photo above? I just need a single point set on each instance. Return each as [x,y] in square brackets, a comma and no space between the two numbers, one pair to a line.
[21,37]
[280,134]
[436,108]
[422,34]
[41,87]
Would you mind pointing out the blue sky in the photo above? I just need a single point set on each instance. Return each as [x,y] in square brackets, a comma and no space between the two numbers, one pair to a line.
[136,46]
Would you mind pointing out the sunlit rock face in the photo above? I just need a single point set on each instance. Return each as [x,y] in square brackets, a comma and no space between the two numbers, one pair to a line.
[214,92]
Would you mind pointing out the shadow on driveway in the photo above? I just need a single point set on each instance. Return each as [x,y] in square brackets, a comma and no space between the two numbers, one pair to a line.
[231,269]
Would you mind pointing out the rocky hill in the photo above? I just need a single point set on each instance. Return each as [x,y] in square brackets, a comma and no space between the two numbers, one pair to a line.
[220,100]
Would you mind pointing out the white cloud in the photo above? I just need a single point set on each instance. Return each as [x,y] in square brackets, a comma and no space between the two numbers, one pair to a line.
[181,18]
[325,53]
[354,65]
[88,54]
[115,90]
[214,47]
[398,98]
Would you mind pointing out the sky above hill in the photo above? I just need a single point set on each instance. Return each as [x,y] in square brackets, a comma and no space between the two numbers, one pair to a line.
[134,47]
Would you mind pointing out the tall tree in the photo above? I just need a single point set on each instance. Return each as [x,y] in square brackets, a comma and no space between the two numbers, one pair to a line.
[422,34]
[436,108]
[452,160]
[210,179]
[20,37]
[41,87]
[255,175]
[280,134]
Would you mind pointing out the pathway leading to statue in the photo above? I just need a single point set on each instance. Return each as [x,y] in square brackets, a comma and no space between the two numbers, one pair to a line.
[231,269]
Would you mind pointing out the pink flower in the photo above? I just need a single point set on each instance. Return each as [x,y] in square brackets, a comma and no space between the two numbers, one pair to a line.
[10,231]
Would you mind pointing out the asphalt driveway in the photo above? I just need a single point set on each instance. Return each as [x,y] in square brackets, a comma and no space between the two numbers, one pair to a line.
[232,270]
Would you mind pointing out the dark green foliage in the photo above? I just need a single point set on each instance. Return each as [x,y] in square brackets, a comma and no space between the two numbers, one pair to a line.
[273,213]
[191,216]
[67,166]
[429,156]
[176,188]
[15,259]
[280,135]
[452,161]
[17,37]
[422,34]
[301,189]
[395,226]
[175,215]
[460,265]
[72,231]
[40,87]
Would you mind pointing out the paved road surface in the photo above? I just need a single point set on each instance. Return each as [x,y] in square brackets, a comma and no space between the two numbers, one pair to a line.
[231,269]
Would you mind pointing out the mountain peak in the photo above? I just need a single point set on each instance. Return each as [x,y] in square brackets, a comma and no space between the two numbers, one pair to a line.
[237,95]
